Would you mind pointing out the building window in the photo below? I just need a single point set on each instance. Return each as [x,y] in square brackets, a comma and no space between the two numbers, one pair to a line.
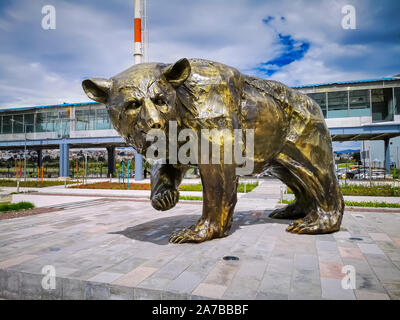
[81,120]
[29,121]
[41,124]
[7,124]
[52,121]
[359,103]
[63,124]
[102,120]
[397,100]
[337,104]
[18,123]
[46,121]
[382,104]
[92,119]
[319,98]
[85,119]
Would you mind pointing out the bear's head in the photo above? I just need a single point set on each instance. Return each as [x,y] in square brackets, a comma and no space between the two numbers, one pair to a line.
[141,98]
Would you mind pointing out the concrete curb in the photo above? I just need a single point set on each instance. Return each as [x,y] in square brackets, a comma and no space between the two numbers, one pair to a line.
[17,285]
[359,209]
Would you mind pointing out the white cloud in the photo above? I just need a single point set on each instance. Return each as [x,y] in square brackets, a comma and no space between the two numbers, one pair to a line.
[39,85]
[95,39]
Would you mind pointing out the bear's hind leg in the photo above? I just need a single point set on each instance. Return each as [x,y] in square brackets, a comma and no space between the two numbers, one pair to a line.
[296,209]
[317,222]
[310,161]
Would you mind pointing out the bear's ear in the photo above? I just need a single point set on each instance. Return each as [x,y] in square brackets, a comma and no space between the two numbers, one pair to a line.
[178,72]
[97,89]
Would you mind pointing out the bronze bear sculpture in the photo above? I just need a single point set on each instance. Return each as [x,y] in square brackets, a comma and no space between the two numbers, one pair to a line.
[291,139]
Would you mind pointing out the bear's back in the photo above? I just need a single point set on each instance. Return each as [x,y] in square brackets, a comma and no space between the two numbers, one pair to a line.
[213,91]
[301,111]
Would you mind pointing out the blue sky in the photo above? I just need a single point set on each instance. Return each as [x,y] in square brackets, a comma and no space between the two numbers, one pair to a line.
[293,41]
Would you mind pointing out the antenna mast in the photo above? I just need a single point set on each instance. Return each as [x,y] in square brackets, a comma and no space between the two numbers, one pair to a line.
[140,46]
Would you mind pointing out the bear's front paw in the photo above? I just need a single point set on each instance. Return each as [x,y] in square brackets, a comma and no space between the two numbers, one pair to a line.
[165,200]
[189,235]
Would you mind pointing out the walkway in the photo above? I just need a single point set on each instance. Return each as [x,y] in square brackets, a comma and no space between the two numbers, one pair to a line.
[110,248]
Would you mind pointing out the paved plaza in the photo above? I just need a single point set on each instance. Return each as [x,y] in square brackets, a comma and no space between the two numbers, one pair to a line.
[116,247]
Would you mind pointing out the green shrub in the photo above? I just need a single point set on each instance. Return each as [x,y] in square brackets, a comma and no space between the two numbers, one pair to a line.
[199,187]
[249,187]
[23,205]
[191,187]
[190,198]
[372,204]
[146,186]
[366,190]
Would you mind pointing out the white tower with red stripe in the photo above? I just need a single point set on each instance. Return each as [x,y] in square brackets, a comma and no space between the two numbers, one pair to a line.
[138,46]
[140,6]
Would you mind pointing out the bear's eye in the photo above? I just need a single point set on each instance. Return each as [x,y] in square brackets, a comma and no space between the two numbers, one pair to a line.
[159,101]
[132,105]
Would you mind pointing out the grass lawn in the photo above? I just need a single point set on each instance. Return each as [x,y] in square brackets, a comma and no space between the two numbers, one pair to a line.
[363,190]
[190,198]
[368,204]
[366,190]
[33,183]
[24,205]
[146,186]
[344,165]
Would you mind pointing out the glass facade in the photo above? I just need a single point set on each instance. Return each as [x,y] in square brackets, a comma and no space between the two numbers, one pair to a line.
[58,121]
[63,124]
[52,119]
[85,119]
[81,121]
[29,121]
[359,103]
[319,98]
[41,122]
[382,104]
[18,123]
[102,120]
[338,104]
[92,119]
[7,124]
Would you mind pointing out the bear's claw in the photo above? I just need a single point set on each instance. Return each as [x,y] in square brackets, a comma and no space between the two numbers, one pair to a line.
[165,200]
[187,235]
[308,225]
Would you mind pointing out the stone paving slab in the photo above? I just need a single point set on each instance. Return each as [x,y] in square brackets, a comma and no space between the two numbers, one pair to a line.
[44,201]
[119,250]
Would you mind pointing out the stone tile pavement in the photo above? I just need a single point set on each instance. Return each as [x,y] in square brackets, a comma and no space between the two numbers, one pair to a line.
[118,249]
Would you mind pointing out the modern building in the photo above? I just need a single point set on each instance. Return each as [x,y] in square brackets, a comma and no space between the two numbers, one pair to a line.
[366,110]
[78,125]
